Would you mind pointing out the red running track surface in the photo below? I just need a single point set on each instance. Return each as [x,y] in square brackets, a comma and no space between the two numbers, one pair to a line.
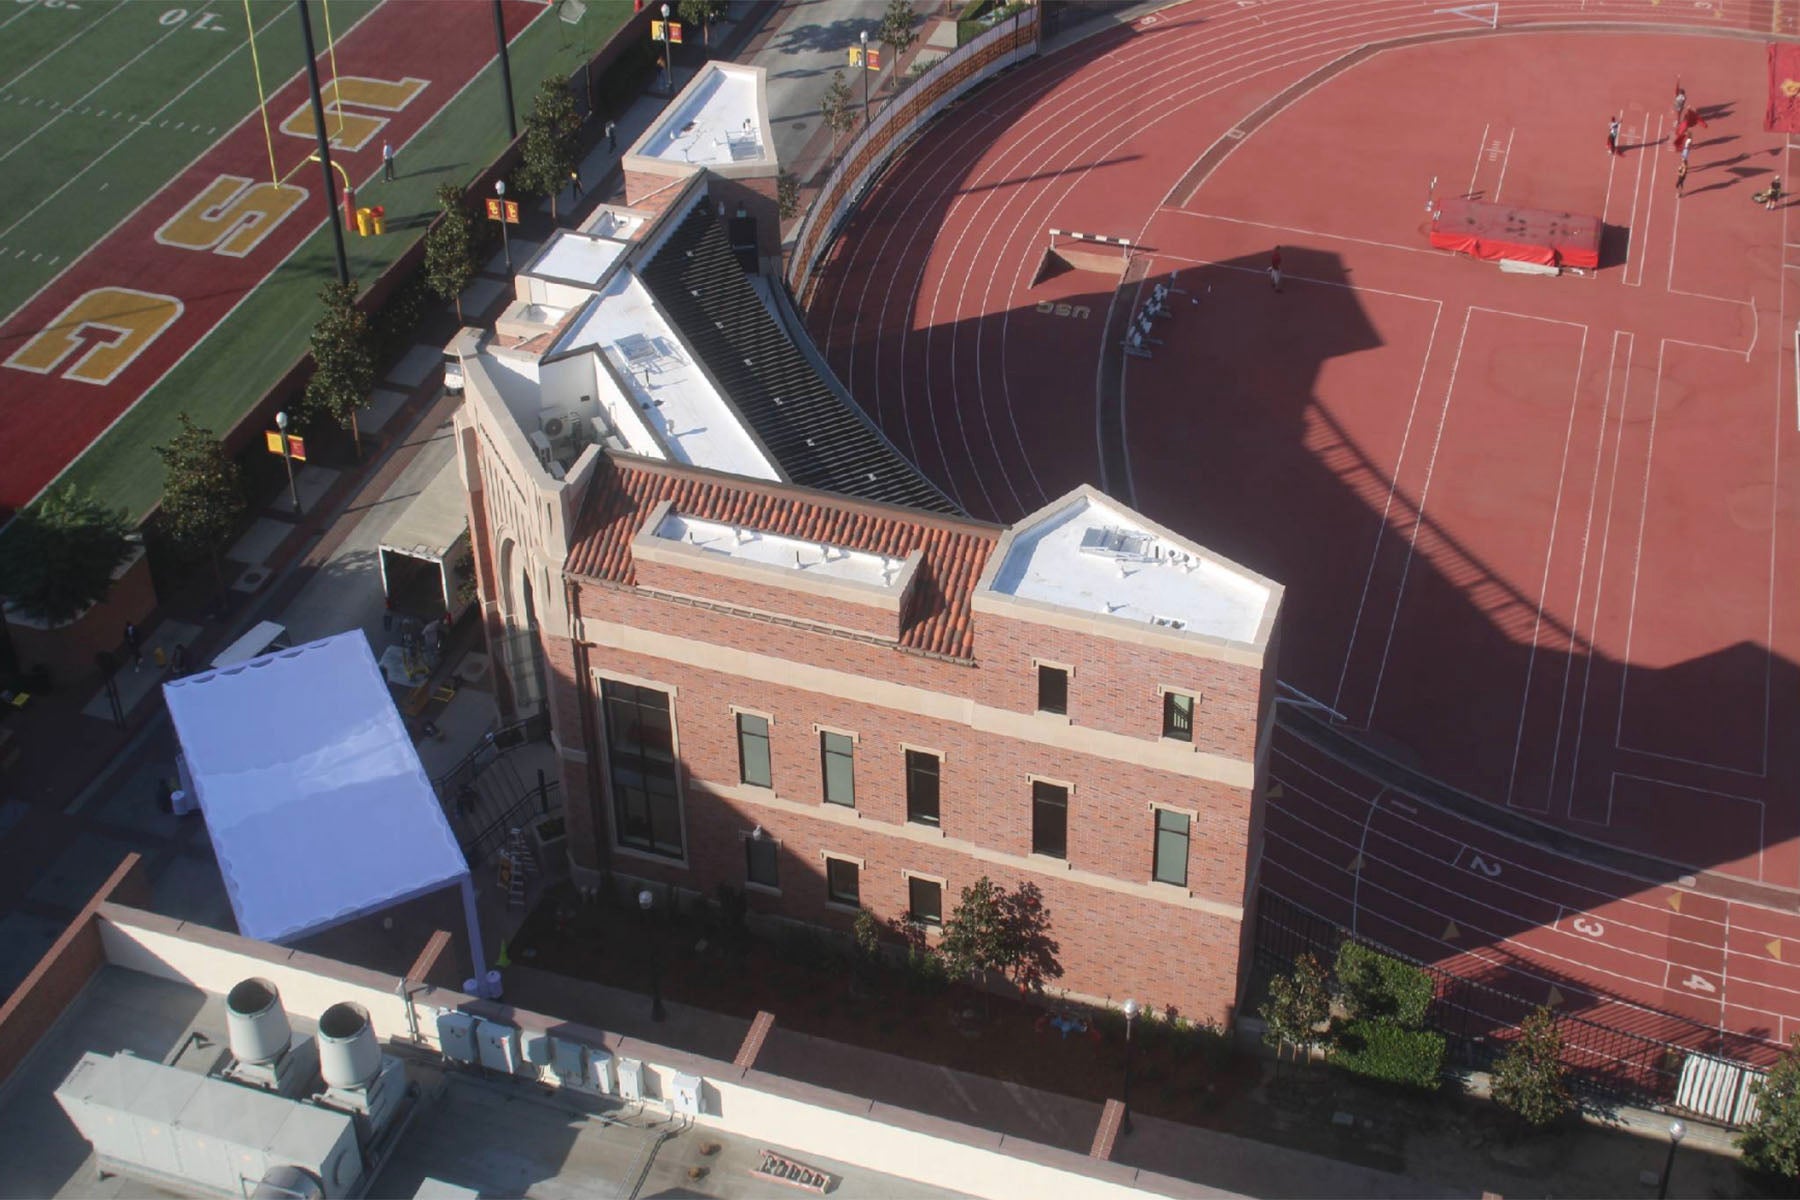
[1530,527]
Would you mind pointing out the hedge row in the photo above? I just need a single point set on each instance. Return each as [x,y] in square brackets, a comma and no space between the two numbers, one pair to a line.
[1376,987]
[1380,1050]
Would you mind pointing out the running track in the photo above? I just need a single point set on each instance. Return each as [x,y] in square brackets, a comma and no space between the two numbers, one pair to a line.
[919,309]
[48,420]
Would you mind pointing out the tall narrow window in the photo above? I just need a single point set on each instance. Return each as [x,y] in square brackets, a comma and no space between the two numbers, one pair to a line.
[761,863]
[1049,819]
[843,883]
[640,744]
[921,787]
[1053,689]
[1171,848]
[925,900]
[1178,716]
[837,765]
[753,750]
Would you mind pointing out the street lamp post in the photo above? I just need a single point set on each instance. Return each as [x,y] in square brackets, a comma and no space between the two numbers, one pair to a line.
[1677,1131]
[668,62]
[505,245]
[1131,1012]
[281,423]
[865,66]
[645,902]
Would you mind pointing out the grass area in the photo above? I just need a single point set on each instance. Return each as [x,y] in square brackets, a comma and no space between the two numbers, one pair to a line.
[231,369]
[101,104]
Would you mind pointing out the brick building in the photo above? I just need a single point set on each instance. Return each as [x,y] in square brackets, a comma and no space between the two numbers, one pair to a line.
[772,655]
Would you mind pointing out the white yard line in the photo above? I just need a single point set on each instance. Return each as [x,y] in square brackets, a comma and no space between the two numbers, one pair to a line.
[84,30]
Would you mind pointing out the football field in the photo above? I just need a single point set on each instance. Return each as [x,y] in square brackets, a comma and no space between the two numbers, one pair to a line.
[164,239]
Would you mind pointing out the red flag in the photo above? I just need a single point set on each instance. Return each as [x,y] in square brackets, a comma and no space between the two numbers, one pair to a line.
[1783,115]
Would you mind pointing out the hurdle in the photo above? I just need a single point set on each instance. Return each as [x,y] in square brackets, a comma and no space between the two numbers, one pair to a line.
[1072,255]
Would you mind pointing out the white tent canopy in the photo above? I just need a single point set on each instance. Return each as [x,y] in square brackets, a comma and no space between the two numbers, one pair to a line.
[318,807]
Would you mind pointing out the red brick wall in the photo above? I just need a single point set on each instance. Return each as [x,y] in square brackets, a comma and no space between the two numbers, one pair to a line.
[799,601]
[758,196]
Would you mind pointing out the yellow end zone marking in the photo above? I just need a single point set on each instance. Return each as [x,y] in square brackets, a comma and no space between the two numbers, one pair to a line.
[355,130]
[231,216]
[133,318]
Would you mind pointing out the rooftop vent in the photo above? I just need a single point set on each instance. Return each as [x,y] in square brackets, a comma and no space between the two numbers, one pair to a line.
[1117,543]
[255,1022]
[349,1056]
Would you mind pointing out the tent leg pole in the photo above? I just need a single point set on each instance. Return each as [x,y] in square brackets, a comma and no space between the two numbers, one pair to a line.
[473,920]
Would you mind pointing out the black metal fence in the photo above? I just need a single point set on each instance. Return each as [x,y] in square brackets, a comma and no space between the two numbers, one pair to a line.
[1478,1020]
[485,796]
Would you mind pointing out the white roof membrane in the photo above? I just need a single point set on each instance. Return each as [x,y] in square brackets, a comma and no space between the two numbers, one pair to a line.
[773,549]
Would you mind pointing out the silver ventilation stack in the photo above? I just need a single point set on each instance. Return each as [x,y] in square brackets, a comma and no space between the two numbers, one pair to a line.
[359,1078]
[265,1053]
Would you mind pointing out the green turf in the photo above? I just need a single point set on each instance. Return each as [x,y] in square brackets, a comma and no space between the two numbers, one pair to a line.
[255,345]
[102,104]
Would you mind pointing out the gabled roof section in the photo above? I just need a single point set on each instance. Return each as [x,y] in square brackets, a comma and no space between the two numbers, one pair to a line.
[1126,576]
[818,438]
[953,550]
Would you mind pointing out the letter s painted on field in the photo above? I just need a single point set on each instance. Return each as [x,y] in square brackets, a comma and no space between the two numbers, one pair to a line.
[231,216]
[104,330]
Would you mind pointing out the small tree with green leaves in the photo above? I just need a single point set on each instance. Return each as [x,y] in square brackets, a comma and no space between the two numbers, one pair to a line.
[1771,1142]
[702,13]
[1529,1078]
[1298,1004]
[787,195]
[993,931]
[58,556]
[838,107]
[203,495]
[552,142]
[897,31]
[343,360]
[450,248]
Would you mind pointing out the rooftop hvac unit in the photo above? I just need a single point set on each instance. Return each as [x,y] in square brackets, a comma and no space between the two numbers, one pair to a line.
[686,1099]
[557,426]
[541,445]
[359,1078]
[456,1035]
[497,1046]
[1117,543]
[600,1070]
[569,1061]
[631,1079]
[265,1052]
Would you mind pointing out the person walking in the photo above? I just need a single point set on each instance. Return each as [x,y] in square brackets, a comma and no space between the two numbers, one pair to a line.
[1680,98]
[1680,177]
[134,642]
[1275,270]
[1773,195]
[1612,137]
[575,182]
[612,143]
[387,161]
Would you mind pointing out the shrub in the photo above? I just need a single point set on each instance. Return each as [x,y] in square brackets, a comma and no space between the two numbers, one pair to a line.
[1378,1050]
[1771,1143]
[1529,1078]
[57,557]
[1376,987]
[1297,1005]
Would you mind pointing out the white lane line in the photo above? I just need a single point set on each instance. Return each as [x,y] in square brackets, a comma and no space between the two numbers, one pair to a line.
[79,33]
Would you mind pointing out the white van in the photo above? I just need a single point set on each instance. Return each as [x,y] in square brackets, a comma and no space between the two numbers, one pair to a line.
[263,638]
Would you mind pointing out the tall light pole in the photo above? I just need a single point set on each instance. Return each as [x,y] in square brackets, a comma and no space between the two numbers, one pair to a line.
[645,902]
[318,111]
[668,61]
[1131,1012]
[512,122]
[505,245]
[281,423]
[865,66]
[1677,1131]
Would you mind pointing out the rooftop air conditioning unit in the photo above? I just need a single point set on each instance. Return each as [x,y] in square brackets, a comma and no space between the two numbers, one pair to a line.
[541,444]
[557,426]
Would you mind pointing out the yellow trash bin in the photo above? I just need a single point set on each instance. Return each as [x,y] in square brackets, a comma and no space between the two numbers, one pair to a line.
[365,221]
[378,219]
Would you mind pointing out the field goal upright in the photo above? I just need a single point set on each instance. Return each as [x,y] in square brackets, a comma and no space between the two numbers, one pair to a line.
[1068,250]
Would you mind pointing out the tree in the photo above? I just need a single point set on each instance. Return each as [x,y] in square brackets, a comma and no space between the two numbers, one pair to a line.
[838,106]
[702,13]
[1297,1005]
[897,32]
[992,930]
[203,495]
[552,145]
[1771,1142]
[787,195]
[343,358]
[58,556]
[450,248]
[1529,1078]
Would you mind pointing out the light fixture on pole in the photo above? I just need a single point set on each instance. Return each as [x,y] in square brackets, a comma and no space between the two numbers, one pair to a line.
[1131,1012]
[1677,1131]
[505,245]
[668,62]
[281,423]
[645,903]
[865,74]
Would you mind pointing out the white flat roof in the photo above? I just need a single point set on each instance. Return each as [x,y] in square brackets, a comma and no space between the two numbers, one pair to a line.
[1099,558]
[776,550]
[576,258]
[667,387]
[715,122]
